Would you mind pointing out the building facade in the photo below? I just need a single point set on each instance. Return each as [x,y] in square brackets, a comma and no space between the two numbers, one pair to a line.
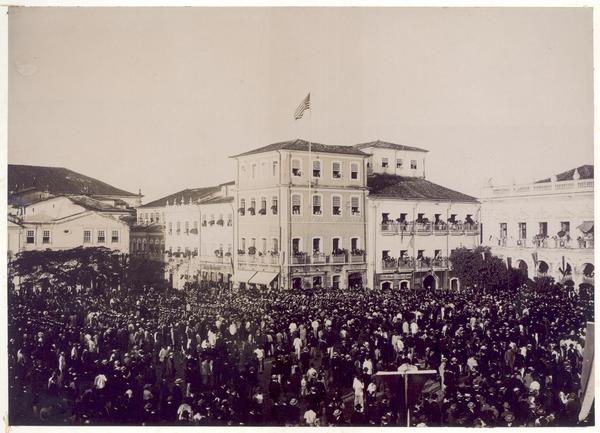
[544,228]
[300,216]
[147,241]
[413,224]
[67,222]
[198,233]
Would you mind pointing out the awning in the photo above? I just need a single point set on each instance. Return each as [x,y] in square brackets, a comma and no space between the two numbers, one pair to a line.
[263,278]
[587,226]
[243,276]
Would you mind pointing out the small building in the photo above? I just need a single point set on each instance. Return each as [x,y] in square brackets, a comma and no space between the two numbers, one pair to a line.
[147,241]
[61,222]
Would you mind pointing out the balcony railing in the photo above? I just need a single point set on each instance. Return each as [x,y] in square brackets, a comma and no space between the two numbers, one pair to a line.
[357,257]
[409,263]
[425,229]
[319,258]
[548,243]
[581,185]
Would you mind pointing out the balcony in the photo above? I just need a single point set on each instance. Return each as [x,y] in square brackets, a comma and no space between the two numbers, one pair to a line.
[423,229]
[318,258]
[357,257]
[546,188]
[411,264]
[554,242]
[429,228]
[338,258]
[300,259]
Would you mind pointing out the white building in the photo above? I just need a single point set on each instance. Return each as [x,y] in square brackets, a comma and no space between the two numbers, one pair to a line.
[413,224]
[546,227]
[198,233]
[67,222]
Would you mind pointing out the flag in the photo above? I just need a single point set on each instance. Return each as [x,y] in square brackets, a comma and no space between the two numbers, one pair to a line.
[509,262]
[587,373]
[483,256]
[304,105]
[534,256]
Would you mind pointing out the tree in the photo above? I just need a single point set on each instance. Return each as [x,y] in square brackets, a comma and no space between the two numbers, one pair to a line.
[479,267]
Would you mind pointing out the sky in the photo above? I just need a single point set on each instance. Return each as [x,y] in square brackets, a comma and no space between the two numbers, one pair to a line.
[158,99]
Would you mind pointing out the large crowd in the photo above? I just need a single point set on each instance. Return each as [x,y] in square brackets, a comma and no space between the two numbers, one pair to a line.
[249,357]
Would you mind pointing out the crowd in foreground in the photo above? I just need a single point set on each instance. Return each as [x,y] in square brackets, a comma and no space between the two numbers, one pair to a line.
[247,357]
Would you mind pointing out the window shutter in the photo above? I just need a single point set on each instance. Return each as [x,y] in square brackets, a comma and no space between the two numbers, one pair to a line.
[355,201]
[295,200]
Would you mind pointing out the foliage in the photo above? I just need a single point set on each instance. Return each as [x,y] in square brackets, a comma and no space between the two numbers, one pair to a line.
[95,267]
[472,268]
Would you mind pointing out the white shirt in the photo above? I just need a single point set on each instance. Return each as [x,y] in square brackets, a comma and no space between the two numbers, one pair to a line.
[358,386]
[368,364]
[100,381]
[310,416]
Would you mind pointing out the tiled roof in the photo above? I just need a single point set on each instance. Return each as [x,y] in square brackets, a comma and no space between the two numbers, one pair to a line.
[302,145]
[193,194]
[57,180]
[217,200]
[93,204]
[146,228]
[585,172]
[412,188]
[387,145]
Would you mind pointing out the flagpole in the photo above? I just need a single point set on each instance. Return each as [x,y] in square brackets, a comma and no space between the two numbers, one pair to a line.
[310,168]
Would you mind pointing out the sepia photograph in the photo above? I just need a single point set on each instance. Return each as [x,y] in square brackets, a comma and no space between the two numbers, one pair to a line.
[300,217]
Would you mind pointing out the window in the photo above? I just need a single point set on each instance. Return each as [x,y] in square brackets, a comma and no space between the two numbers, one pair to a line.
[263,205]
[87,236]
[178,227]
[413,164]
[187,227]
[522,230]
[101,237]
[336,170]
[437,254]
[385,254]
[114,236]
[316,244]
[229,220]
[274,205]
[384,162]
[252,208]
[355,208]
[196,226]
[354,171]
[543,229]
[296,204]
[316,168]
[335,244]
[243,244]
[296,167]
[275,245]
[336,208]
[170,228]
[354,244]
[253,242]
[30,236]
[399,163]
[403,253]
[274,168]
[264,244]
[296,247]
[253,171]
[565,226]
[243,203]
[46,237]
[503,230]
[157,217]
[420,254]
[317,205]
[335,282]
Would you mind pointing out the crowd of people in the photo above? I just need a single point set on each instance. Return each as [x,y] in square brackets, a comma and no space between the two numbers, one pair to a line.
[249,357]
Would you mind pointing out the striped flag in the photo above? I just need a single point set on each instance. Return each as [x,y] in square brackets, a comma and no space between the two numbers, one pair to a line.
[304,105]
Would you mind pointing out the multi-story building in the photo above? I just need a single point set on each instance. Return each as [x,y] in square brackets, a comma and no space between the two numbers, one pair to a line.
[198,233]
[301,216]
[413,224]
[545,228]
[67,222]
